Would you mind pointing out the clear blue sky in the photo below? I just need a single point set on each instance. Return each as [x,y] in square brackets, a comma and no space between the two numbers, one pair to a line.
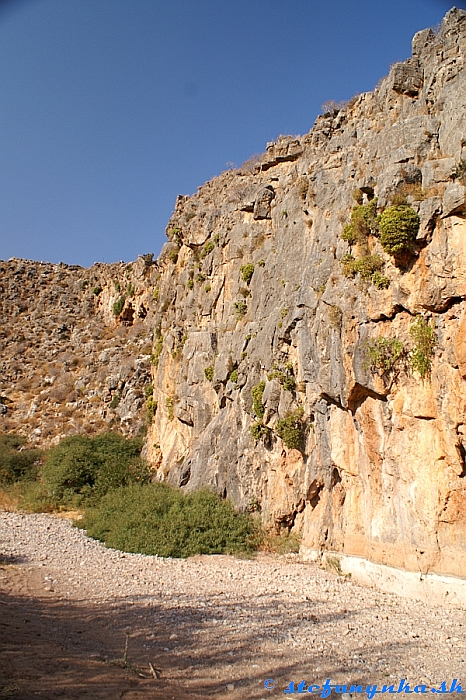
[110,108]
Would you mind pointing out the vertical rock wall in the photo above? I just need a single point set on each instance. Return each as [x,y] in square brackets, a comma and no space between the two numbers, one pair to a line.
[252,295]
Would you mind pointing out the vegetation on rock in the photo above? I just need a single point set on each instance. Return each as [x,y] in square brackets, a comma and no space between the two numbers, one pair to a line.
[209,372]
[257,392]
[398,228]
[383,353]
[118,306]
[364,221]
[247,272]
[425,342]
[291,430]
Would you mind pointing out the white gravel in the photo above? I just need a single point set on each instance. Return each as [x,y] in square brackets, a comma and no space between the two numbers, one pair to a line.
[293,616]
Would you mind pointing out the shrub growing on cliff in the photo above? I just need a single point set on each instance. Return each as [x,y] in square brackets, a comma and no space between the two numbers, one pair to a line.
[425,342]
[247,272]
[364,221]
[259,430]
[208,248]
[379,280]
[291,430]
[155,357]
[159,519]
[209,373]
[398,229]
[382,354]
[241,309]
[284,376]
[173,255]
[256,393]
[118,306]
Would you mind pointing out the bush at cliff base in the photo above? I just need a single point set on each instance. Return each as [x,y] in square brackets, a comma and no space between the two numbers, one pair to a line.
[81,469]
[159,519]
[17,462]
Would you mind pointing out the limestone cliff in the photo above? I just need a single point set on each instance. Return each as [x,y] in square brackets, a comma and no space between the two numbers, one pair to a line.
[260,323]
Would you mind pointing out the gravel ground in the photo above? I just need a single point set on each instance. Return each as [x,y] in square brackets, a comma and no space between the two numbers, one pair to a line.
[210,626]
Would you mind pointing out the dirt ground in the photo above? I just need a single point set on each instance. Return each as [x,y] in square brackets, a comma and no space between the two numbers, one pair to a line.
[48,647]
[77,620]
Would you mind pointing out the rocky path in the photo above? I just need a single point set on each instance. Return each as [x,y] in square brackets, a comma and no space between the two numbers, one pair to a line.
[199,628]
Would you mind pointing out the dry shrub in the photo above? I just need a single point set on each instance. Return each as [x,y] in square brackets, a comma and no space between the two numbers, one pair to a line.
[60,392]
[8,500]
[250,164]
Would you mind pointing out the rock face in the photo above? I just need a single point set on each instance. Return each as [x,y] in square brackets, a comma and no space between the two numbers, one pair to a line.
[257,327]
[75,347]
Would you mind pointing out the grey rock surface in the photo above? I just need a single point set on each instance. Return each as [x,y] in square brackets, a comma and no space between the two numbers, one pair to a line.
[380,469]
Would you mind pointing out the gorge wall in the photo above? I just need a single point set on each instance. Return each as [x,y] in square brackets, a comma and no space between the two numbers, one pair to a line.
[254,328]
[252,291]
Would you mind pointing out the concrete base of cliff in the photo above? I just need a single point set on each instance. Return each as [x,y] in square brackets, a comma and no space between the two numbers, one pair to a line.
[436,590]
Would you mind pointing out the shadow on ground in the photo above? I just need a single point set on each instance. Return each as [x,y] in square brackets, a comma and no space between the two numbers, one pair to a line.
[66,649]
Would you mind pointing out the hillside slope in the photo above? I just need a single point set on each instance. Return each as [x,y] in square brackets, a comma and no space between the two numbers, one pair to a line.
[68,362]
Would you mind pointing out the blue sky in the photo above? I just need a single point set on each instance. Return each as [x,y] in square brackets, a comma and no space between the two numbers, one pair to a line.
[110,108]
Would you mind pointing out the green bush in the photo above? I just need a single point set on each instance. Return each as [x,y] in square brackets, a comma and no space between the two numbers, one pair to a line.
[173,255]
[118,306]
[398,228]
[241,309]
[247,272]
[367,265]
[382,353]
[158,519]
[364,221]
[348,265]
[155,357]
[176,234]
[291,430]
[358,195]
[379,280]
[208,248]
[17,463]
[284,376]
[258,406]
[209,373]
[97,290]
[82,468]
[151,407]
[259,430]
[116,398]
[233,376]
[425,342]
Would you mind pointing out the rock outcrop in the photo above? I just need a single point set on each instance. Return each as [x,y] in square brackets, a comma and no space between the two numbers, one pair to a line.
[265,385]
